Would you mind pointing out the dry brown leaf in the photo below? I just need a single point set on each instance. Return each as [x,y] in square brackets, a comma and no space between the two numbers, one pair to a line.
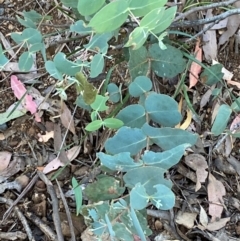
[235,163]
[66,119]
[188,120]
[205,98]
[232,26]
[46,137]
[216,191]
[56,163]
[186,219]
[16,165]
[235,123]
[198,163]
[210,40]
[2,137]
[195,68]
[5,158]
[203,218]
[213,226]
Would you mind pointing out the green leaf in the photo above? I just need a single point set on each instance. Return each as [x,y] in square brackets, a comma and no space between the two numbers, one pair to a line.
[126,140]
[122,231]
[236,105]
[36,47]
[32,36]
[166,63]
[95,125]
[33,15]
[164,198]
[89,7]
[150,20]
[212,74]
[112,123]
[100,103]
[3,59]
[139,86]
[99,43]
[26,22]
[138,62]
[81,103]
[97,65]
[70,3]
[80,27]
[143,7]
[110,17]
[114,92]
[137,38]
[137,225]
[162,109]
[17,37]
[78,195]
[221,120]
[119,162]
[138,197]
[52,70]
[166,20]
[132,116]
[148,177]
[64,65]
[89,91]
[5,117]
[168,138]
[164,159]
[105,188]
[25,61]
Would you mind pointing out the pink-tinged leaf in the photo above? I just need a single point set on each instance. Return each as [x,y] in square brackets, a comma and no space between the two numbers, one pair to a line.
[19,91]
[5,158]
[56,163]
[195,68]
[235,124]
[17,86]
[30,105]
[216,191]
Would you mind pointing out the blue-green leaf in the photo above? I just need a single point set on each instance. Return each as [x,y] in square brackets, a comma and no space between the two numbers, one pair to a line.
[138,197]
[114,92]
[70,3]
[164,159]
[78,195]
[164,198]
[212,74]
[152,19]
[137,38]
[119,162]
[64,65]
[82,104]
[166,63]
[139,86]
[25,61]
[80,27]
[148,177]
[132,116]
[163,109]
[126,140]
[97,65]
[166,20]
[89,7]
[110,17]
[221,120]
[168,138]
[32,36]
[143,7]
[52,70]
[138,62]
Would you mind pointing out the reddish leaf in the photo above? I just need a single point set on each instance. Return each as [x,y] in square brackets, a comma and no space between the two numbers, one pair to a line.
[195,68]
